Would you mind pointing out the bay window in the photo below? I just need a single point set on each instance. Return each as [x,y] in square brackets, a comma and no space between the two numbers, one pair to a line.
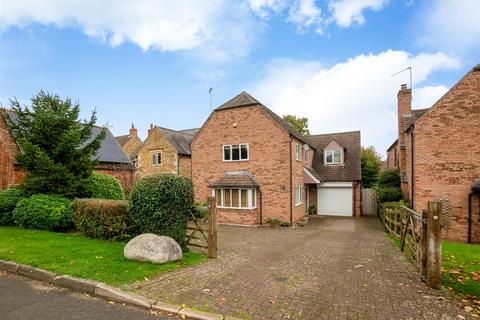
[235,198]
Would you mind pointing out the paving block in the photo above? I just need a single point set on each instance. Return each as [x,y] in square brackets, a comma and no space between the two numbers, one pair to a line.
[166,307]
[105,291]
[199,315]
[36,274]
[8,266]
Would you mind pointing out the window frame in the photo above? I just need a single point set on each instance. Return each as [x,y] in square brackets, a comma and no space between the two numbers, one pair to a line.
[251,198]
[332,151]
[298,152]
[298,196]
[157,152]
[230,146]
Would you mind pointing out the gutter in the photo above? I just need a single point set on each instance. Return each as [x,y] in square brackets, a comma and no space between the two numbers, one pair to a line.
[291,180]
[412,197]
[470,196]
[261,205]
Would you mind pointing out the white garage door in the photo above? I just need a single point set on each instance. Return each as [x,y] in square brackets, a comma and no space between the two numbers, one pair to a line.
[335,199]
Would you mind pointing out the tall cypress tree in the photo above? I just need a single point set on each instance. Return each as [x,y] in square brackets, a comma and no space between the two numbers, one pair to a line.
[57,148]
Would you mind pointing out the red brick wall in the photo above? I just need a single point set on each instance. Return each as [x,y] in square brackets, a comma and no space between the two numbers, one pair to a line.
[10,175]
[357,199]
[298,211]
[447,155]
[124,173]
[268,161]
[392,160]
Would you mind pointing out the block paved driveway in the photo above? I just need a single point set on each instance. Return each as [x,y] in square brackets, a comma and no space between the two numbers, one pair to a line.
[333,268]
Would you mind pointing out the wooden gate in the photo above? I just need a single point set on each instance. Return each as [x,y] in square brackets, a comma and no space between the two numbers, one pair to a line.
[202,231]
[419,236]
[369,202]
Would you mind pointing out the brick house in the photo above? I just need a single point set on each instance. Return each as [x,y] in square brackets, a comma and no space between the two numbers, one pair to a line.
[166,151]
[113,161]
[131,144]
[439,152]
[257,166]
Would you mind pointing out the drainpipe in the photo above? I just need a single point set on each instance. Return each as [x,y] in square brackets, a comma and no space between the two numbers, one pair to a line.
[261,206]
[470,196]
[413,166]
[291,181]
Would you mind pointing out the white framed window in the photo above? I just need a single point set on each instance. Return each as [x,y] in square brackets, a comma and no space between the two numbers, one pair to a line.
[298,195]
[333,156]
[297,152]
[235,198]
[156,158]
[235,152]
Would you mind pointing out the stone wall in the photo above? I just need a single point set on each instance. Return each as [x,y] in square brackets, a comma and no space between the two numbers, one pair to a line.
[156,141]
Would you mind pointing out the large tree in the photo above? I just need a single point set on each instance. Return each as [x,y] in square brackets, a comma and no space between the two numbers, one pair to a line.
[56,147]
[371,165]
[300,124]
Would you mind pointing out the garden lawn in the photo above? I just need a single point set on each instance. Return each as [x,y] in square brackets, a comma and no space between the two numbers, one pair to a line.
[461,267]
[73,254]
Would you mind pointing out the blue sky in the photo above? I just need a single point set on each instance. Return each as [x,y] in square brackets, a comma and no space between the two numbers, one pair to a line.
[153,61]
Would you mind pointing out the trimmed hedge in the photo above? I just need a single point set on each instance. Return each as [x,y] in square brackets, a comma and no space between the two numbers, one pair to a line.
[104,186]
[45,212]
[102,219]
[162,204]
[8,201]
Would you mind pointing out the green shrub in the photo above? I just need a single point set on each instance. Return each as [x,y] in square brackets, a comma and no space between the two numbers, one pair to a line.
[389,194]
[389,178]
[8,201]
[277,222]
[104,186]
[44,212]
[162,204]
[312,209]
[102,219]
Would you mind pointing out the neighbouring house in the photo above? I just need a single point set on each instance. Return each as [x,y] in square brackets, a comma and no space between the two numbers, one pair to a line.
[112,159]
[438,154]
[166,151]
[259,167]
[131,144]
[337,166]
[392,156]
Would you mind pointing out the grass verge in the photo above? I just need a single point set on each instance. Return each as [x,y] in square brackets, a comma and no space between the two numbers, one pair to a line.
[73,254]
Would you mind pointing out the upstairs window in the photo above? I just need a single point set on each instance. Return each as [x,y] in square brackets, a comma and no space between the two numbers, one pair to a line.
[235,152]
[333,157]
[297,152]
[156,158]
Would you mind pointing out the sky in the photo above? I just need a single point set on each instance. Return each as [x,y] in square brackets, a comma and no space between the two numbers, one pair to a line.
[154,61]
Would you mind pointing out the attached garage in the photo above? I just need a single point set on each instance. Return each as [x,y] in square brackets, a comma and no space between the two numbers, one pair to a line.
[335,199]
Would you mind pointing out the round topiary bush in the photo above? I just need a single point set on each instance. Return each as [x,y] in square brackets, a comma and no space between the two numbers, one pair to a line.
[8,201]
[44,212]
[161,204]
[104,186]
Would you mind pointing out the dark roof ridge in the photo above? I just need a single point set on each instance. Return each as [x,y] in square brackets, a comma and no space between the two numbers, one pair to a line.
[332,133]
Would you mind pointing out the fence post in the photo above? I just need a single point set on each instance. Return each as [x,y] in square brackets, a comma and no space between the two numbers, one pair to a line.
[423,246]
[434,244]
[212,228]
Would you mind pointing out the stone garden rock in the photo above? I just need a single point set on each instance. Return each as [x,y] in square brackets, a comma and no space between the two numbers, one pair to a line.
[153,248]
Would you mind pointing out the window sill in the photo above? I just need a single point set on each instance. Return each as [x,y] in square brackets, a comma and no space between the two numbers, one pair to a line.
[298,204]
[235,208]
[236,160]
[156,165]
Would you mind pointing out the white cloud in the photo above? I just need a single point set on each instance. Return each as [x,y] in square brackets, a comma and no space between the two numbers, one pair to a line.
[451,25]
[348,12]
[425,97]
[264,8]
[358,94]
[226,28]
[305,14]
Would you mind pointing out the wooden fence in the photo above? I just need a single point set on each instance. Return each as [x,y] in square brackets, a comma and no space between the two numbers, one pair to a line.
[369,202]
[419,235]
[202,231]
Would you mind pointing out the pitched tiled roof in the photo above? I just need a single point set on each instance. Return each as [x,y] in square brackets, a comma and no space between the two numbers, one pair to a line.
[122,140]
[191,132]
[236,179]
[393,145]
[180,140]
[244,99]
[110,151]
[351,169]
[412,117]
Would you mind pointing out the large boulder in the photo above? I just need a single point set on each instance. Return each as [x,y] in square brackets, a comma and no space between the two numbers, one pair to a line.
[152,248]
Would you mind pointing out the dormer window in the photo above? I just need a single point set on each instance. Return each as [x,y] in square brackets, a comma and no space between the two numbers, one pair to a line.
[334,156]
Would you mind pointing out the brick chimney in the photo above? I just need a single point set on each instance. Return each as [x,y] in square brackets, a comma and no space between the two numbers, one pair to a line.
[151,129]
[404,98]
[133,131]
